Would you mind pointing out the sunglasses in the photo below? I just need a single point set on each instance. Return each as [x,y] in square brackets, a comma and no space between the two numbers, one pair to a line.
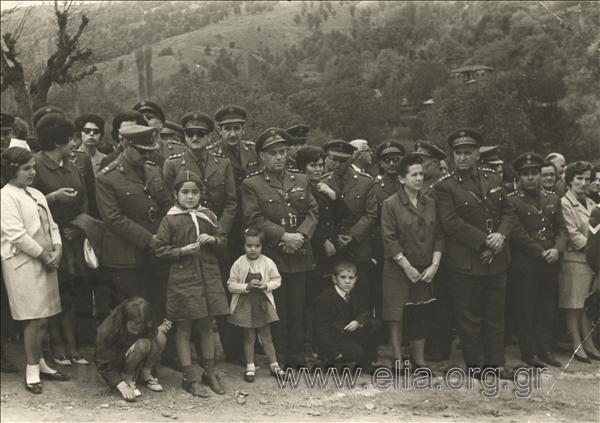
[190,133]
[92,131]
[391,160]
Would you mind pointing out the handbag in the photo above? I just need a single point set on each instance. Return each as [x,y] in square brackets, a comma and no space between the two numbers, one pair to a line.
[91,259]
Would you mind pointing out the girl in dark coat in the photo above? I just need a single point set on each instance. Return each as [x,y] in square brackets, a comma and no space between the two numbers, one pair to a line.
[190,235]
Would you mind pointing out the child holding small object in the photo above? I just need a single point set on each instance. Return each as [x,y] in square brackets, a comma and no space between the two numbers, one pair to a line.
[252,280]
[190,236]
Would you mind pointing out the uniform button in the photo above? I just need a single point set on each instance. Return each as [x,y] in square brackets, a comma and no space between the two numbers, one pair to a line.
[270,201]
[288,204]
[326,208]
[342,196]
[358,196]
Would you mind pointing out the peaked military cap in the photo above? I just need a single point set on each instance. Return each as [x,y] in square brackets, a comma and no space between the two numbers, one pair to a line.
[197,120]
[427,149]
[299,133]
[6,121]
[339,148]
[172,127]
[231,114]
[488,154]
[387,148]
[463,137]
[528,161]
[140,136]
[150,106]
[270,137]
[43,111]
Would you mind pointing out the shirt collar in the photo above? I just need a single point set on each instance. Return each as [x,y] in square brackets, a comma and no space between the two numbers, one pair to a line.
[340,292]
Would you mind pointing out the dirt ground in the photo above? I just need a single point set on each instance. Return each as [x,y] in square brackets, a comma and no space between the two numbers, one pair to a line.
[572,394]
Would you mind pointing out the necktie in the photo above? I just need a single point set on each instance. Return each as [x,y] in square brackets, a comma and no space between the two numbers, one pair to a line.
[347,297]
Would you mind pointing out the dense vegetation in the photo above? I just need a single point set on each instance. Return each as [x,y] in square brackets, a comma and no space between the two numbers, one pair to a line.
[371,75]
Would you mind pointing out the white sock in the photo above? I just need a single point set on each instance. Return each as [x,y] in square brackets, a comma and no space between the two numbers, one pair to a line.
[274,366]
[251,367]
[44,368]
[32,373]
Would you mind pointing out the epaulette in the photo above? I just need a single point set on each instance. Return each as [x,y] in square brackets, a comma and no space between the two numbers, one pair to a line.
[175,156]
[150,163]
[176,143]
[217,154]
[327,175]
[248,142]
[111,166]
[293,169]
[378,177]
[487,169]
[213,145]
[510,194]
[363,174]
[258,172]
[443,178]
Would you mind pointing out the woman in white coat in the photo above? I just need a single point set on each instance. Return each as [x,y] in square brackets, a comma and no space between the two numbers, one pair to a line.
[31,250]
[576,276]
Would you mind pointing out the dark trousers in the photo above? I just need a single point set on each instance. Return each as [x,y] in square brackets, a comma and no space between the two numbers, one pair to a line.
[535,297]
[148,281]
[288,333]
[231,337]
[356,347]
[438,343]
[478,303]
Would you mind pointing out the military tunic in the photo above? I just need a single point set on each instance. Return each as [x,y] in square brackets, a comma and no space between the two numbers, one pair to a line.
[132,206]
[534,282]
[243,159]
[169,148]
[218,192]
[472,205]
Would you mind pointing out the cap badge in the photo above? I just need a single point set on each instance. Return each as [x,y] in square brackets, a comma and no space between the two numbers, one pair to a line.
[462,133]
[231,110]
[272,132]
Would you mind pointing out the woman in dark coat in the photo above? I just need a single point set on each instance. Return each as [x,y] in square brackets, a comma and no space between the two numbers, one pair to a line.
[413,247]
[64,187]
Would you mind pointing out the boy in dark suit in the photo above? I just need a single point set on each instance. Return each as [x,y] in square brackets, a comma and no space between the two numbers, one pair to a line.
[345,329]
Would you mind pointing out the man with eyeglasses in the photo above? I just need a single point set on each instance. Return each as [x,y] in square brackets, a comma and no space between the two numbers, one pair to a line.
[281,203]
[432,160]
[356,188]
[132,199]
[218,190]
[388,155]
[362,157]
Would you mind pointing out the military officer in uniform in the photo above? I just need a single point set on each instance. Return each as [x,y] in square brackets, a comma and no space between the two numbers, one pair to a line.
[388,155]
[476,218]
[281,203]
[218,190]
[172,139]
[432,158]
[132,199]
[537,242]
[356,188]
[152,112]
[299,136]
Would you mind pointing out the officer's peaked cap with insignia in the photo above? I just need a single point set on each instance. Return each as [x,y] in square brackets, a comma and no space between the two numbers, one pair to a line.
[140,136]
[427,149]
[339,148]
[299,133]
[271,137]
[231,114]
[6,121]
[187,176]
[528,161]
[43,111]
[488,154]
[197,120]
[171,127]
[463,137]
[150,106]
[387,148]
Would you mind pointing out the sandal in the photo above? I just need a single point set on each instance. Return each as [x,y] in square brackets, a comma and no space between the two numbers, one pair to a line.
[61,360]
[153,385]
[195,388]
[79,360]
[249,376]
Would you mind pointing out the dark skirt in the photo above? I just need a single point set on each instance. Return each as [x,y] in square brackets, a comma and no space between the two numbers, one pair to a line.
[399,291]
[253,310]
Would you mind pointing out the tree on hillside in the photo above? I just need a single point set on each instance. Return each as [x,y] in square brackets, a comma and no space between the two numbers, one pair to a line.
[63,67]
[139,64]
[149,71]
